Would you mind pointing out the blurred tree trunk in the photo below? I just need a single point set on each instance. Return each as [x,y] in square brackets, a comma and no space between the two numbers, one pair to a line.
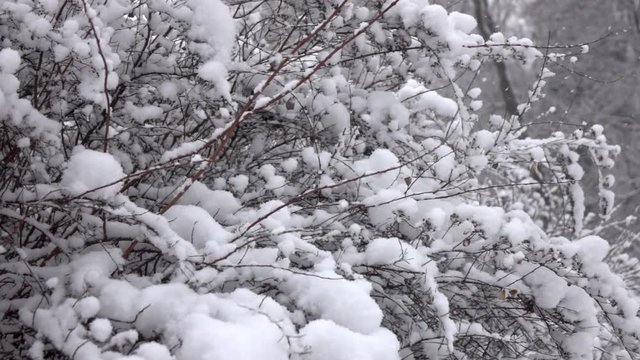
[486,27]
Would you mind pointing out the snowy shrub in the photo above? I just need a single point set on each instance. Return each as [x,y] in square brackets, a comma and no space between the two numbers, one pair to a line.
[200,180]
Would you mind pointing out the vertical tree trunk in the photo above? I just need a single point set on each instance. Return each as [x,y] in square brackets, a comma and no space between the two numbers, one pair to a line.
[486,27]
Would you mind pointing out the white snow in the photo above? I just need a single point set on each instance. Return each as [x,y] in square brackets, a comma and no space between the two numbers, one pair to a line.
[394,219]
[484,139]
[182,150]
[101,329]
[88,307]
[315,160]
[220,204]
[97,174]
[329,341]
[475,105]
[9,61]
[385,107]
[463,22]
[289,165]
[52,282]
[394,252]
[213,17]
[337,118]
[196,225]
[474,92]
[347,303]
[153,351]
[92,267]
[537,153]
[439,104]
[274,182]
[239,182]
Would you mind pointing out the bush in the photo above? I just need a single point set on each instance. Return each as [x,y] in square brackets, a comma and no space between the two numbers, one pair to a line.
[287,179]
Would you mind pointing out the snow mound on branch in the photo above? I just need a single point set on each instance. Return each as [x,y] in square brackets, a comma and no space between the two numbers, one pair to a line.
[9,60]
[195,224]
[386,111]
[393,251]
[92,171]
[455,28]
[220,204]
[346,303]
[154,351]
[428,100]
[329,341]
[238,325]
[101,329]
[90,268]
[463,22]
[18,110]
[213,25]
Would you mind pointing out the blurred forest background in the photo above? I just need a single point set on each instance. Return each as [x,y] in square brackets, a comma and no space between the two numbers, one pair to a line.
[601,86]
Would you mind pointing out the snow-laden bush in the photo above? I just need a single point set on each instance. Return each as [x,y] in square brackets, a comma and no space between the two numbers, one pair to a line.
[281,179]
